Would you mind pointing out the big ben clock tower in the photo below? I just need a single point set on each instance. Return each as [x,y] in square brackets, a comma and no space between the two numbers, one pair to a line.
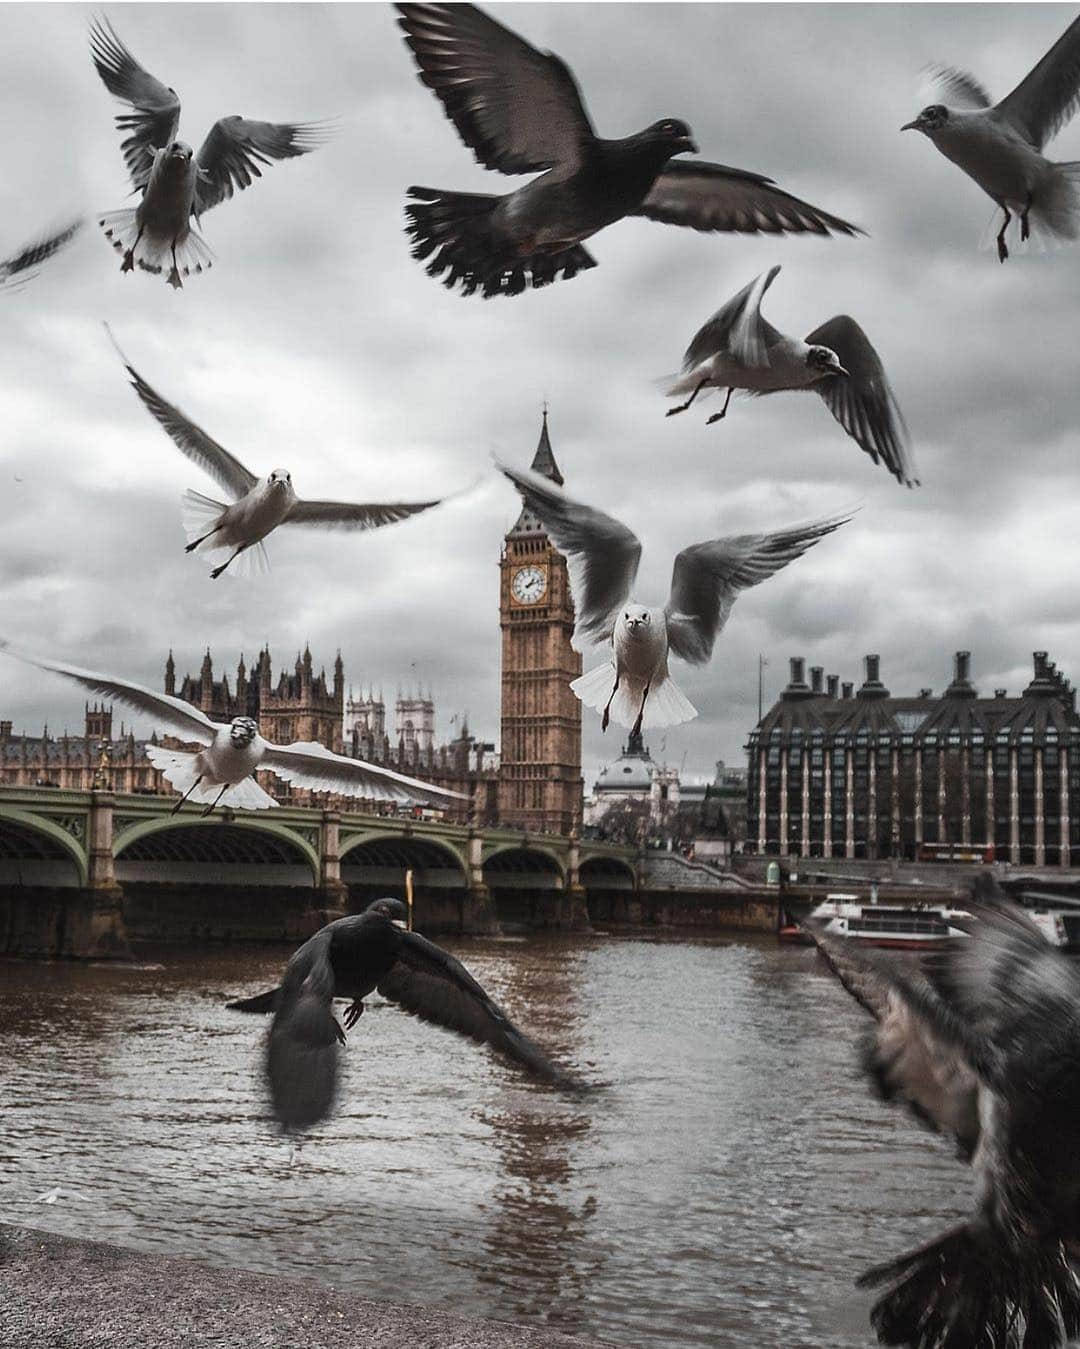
[540,782]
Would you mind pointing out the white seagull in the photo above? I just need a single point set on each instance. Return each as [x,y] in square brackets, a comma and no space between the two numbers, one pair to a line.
[31,255]
[1000,144]
[635,687]
[259,504]
[232,753]
[738,349]
[176,184]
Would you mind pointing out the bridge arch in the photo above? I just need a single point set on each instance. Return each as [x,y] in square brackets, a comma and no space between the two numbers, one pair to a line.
[526,885]
[37,849]
[184,849]
[375,864]
[607,873]
[524,859]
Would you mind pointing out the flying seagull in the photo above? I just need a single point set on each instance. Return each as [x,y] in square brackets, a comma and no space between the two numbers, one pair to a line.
[1000,144]
[634,687]
[520,111]
[738,349]
[258,505]
[351,958]
[31,255]
[983,1047]
[231,754]
[176,185]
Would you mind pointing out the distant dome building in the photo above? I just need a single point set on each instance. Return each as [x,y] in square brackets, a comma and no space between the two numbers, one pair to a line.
[634,777]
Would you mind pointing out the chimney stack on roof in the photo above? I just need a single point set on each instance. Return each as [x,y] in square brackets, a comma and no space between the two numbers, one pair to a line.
[817,674]
[1001,693]
[847,689]
[833,685]
[872,686]
[926,693]
[797,675]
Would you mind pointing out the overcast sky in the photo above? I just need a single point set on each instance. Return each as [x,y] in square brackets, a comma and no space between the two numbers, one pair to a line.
[317,344]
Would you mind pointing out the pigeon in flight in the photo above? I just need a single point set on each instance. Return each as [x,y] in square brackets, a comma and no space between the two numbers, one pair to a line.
[258,505]
[232,753]
[1000,144]
[351,958]
[175,184]
[520,111]
[738,349]
[982,1044]
[634,687]
[33,254]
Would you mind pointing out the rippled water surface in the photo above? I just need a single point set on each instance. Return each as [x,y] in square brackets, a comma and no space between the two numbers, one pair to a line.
[723,1188]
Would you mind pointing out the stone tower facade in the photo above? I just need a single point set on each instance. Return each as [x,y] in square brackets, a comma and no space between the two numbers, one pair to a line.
[540,782]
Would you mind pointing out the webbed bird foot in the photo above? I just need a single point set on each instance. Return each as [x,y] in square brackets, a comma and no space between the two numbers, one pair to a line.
[353,1013]
[1003,251]
[716,417]
[128,265]
[672,411]
[217,571]
[1025,228]
[174,280]
[339,1033]
[605,719]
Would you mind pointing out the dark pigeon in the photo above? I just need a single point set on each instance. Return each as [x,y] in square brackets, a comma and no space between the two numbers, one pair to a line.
[353,957]
[520,111]
[982,1044]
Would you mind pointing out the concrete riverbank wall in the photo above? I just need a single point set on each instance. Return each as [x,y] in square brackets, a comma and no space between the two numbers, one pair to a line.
[61,1293]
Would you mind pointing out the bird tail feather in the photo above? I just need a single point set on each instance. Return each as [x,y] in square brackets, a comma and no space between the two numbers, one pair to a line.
[200,515]
[963,1289]
[253,561]
[180,770]
[1055,213]
[153,253]
[454,230]
[666,704]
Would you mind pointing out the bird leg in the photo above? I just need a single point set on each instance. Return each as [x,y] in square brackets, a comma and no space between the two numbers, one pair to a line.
[190,548]
[128,265]
[174,275]
[186,795]
[1003,251]
[683,406]
[641,712]
[1025,229]
[210,808]
[354,1012]
[218,570]
[607,706]
[718,416]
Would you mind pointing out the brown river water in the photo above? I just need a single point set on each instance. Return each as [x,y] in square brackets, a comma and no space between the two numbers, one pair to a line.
[724,1187]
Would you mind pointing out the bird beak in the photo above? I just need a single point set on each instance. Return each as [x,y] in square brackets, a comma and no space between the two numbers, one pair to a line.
[688,146]
[910,126]
[839,369]
[401,923]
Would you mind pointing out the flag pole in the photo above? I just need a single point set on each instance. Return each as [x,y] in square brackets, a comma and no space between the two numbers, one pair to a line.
[409,893]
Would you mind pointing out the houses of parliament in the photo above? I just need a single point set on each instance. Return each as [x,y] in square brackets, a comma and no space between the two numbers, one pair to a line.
[534,783]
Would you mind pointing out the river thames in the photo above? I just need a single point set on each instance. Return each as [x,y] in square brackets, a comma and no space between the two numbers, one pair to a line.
[723,1187]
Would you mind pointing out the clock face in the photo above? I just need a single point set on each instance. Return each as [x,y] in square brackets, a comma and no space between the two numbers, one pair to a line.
[529,585]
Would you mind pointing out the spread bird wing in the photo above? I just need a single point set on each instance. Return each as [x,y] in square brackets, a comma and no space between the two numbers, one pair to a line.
[1007,972]
[309,764]
[156,108]
[518,109]
[715,197]
[863,402]
[181,717]
[737,327]
[708,578]
[302,1047]
[33,254]
[191,440]
[918,1053]
[352,515]
[1049,96]
[428,982]
[955,87]
[602,554]
[229,158]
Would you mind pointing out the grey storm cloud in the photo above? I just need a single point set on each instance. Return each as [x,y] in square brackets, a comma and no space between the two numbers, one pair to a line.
[317,344]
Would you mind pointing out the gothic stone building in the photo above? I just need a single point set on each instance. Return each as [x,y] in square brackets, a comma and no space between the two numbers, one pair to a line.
[79,762]
[861,774]
[540,783]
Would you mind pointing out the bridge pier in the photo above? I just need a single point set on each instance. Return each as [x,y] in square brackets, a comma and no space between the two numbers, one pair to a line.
[574,908]
[477,906]
[88,922]
[332,890]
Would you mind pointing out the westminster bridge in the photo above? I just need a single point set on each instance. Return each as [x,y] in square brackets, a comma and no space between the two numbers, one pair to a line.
[81,872]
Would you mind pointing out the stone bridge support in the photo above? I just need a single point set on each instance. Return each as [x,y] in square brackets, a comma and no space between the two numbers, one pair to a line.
[332,893]
[93,925]
[479,915]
